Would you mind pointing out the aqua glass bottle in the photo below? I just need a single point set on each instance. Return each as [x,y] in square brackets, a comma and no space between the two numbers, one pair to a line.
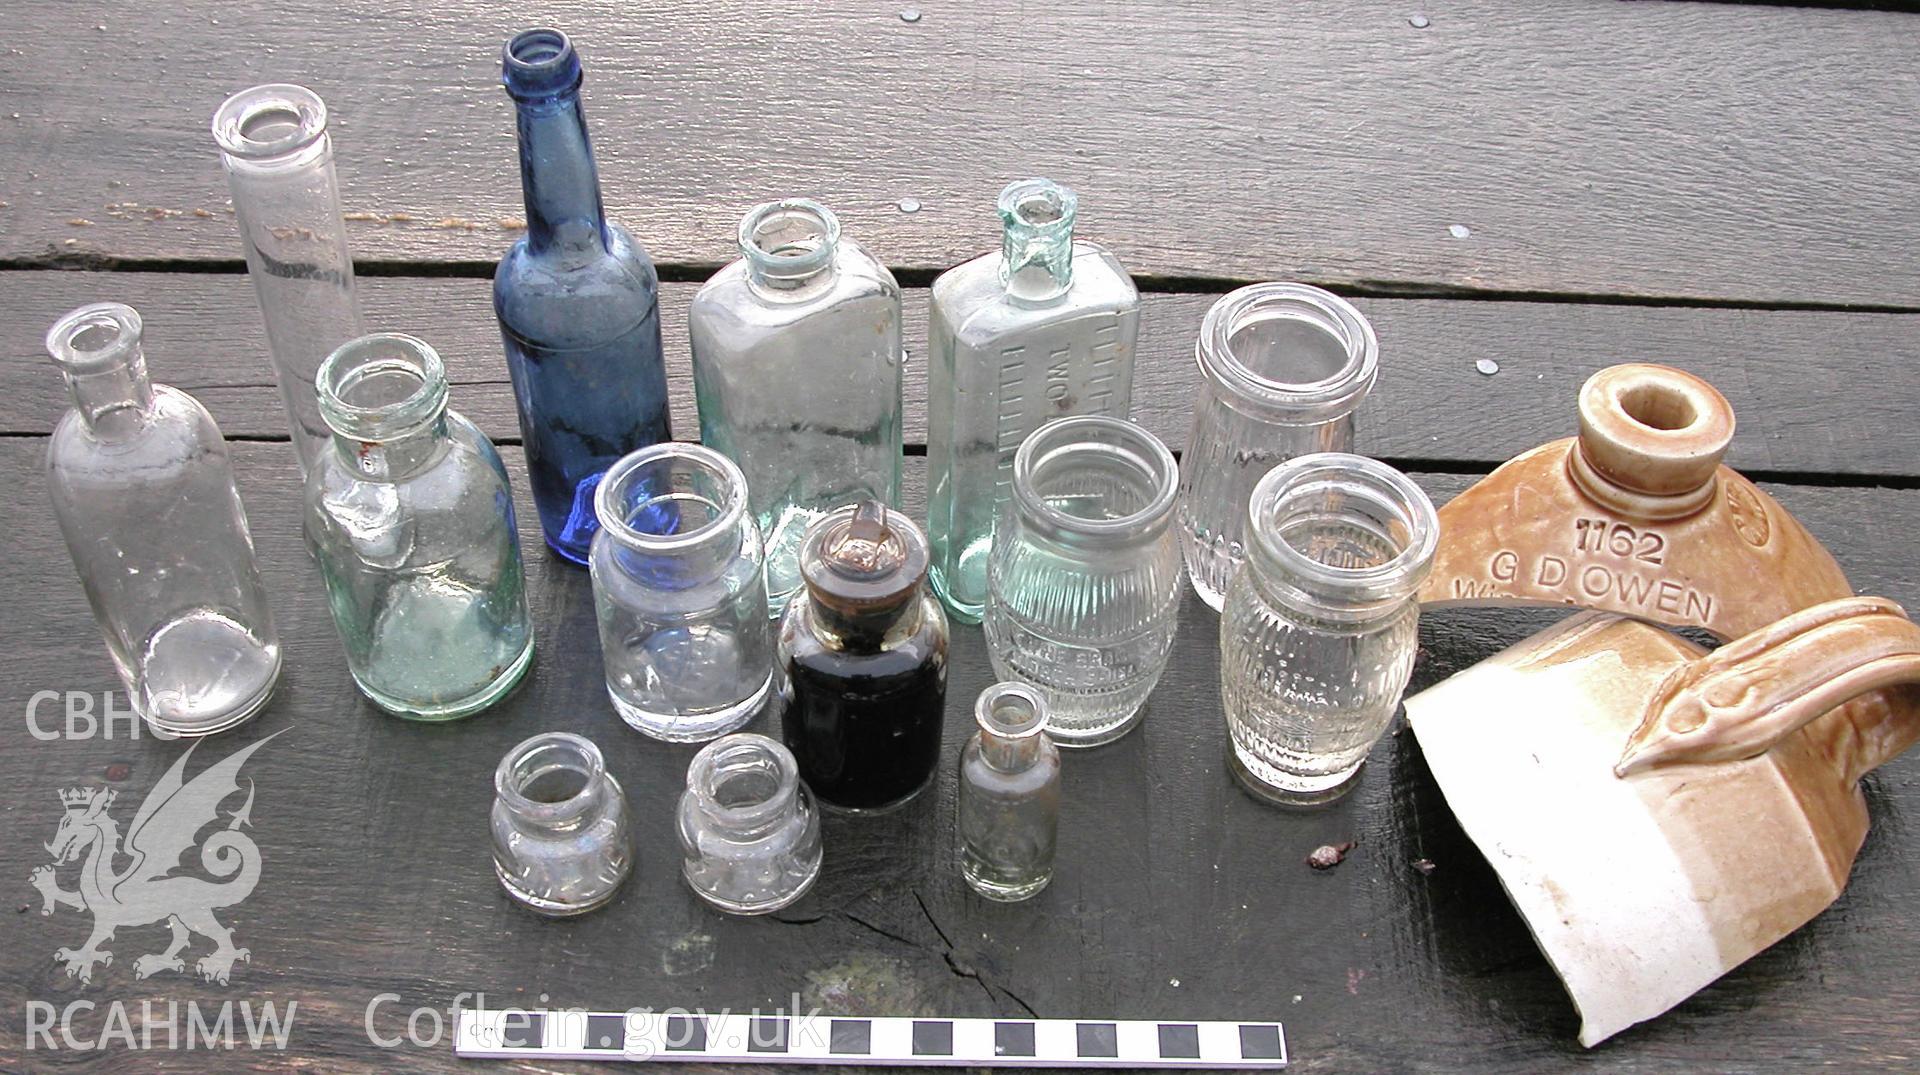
[578,303]
[411,520]
[796,365]
[1043,329]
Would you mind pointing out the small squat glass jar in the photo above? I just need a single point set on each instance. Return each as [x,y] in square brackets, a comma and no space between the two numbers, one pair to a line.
[680,594]
[1083,584]
[1285,366]
[749,828]
[561,841]
[1009,795]
[1320,628]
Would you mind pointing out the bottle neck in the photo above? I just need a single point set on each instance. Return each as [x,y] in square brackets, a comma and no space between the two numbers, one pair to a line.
[97,349]
[867,631]
[1011,755]
[1036,245]
[558,177]
[394,457]
[789,248]
[384,396]
[554,783]
[745,785]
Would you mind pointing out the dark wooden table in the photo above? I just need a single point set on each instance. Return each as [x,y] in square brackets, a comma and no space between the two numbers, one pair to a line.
[1726,188]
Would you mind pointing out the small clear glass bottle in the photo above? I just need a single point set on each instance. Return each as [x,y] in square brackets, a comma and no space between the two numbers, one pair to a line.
[1084,579]
[864,653]
[562,844]
[145,498]
[279,163]
[680,595]
[1009,795]
[748,826]
[1321,626]
[796,365]
[1285,366]
[411,519]
[1045,328]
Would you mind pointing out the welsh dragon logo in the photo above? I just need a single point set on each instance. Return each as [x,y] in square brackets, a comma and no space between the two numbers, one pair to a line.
[148,890]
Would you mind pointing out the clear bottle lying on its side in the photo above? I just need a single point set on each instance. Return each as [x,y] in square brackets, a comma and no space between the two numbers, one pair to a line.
[1321,625]
[1043,329]
[1009,795]
[796,365]
[145,498]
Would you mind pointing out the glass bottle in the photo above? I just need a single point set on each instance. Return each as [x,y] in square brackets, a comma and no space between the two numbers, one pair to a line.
[1320,628]
[562,844]
[864,651]
[1043,329]
[796,366]
[1284,367]
[681,600]
[411,519]
[1009,795]
[578,304]
[748,827]
[1084,578]
[279,164]
[145,498]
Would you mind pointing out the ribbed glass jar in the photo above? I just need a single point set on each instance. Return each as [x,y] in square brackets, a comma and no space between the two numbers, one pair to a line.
[1284,367]
[562,844]
[680,595]
[1321,626]
[1084,578]
[748,826]
[1009,795]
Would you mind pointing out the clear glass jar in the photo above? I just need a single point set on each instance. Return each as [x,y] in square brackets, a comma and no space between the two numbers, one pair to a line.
[145,498]
[1009,795]
[562,844]
[864,654]
[1321,627]
[1285,366]
[1042,329]
[680,595]
[286,202]
[796,365]
[411,519]
[1084,579]
[748,826]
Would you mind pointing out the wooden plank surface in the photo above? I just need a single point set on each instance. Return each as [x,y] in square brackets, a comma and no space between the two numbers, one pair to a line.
[1750,154]
[1177,895]
[1783,370]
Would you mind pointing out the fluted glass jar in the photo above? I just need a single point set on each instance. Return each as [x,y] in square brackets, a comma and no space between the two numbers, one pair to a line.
[1284,367]
[411,519]
[1321,626]
[680,595]
[796,367]
[1044,328]
[144,494]
[279,163]
[1009,795]
[748,826]
[562,844]
[1084,579]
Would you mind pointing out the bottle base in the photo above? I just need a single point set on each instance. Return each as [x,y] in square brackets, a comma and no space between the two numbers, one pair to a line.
[1278,788]
[202,673]
[961,611]
[576,557]
[874,811]
[553,908]
[694,727]
[1077,739]
[1215,599]
[755,907]
[406,709]
[1006,893]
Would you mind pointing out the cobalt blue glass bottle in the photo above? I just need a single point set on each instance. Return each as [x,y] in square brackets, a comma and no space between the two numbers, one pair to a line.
[578,302]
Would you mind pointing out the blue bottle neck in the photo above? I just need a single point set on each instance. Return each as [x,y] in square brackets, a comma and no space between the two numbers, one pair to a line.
[558,178]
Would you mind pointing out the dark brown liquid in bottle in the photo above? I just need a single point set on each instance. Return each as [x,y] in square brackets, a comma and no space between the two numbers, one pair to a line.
[865,727]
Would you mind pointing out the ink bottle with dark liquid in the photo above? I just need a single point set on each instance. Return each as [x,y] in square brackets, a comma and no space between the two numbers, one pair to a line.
[865,654]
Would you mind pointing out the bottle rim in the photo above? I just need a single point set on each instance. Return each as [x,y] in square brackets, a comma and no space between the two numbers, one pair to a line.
[611,507]
[520,767]
[539,62]
[1322,399]
[790,238]
[269,123]
[1367,485]
[94,337]
[1106,438]
[360,365]
[1038,205]
[725,759]
[1011,711]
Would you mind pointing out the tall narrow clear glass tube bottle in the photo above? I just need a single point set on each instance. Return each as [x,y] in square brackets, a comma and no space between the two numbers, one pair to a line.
[578,303]
[279,163]
[1043,329]
[145,498]
[796,364]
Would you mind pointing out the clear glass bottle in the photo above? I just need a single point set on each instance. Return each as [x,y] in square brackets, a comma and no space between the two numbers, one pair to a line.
[578,305]
[145,498]
[680,596]
[1084,579]
[748,827]
[411,519]
[562,844]
[1043,329]
[864,652]
[1009,795]
[279,164]
[1284,367]
[1321,626]
[796,365]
